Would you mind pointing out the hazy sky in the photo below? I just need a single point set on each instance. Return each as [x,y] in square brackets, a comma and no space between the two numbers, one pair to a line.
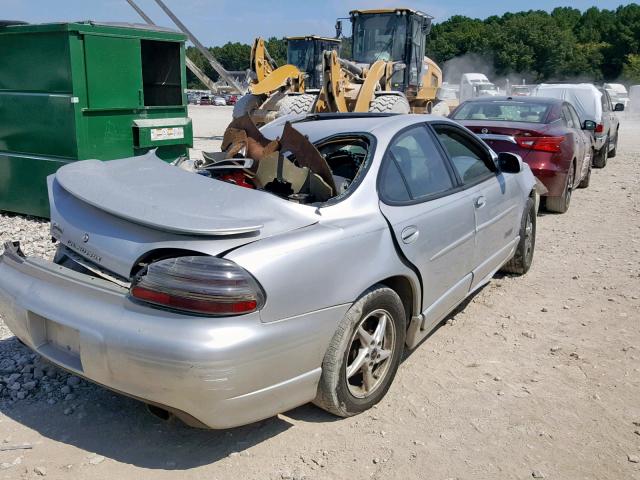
[215,22]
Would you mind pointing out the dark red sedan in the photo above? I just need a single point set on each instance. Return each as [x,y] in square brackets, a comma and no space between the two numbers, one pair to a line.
[545,132]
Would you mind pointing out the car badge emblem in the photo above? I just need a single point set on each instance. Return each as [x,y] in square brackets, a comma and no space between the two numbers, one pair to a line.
[485,130]
[85,237]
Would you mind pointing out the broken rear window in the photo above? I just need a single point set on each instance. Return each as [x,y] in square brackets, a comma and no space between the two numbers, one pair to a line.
[290,167]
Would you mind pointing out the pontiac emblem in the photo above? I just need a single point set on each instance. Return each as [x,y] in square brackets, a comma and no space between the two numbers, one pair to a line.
[485,130]
[85,237]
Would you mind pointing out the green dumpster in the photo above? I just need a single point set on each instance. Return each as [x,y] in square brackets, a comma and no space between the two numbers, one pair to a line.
[74,91]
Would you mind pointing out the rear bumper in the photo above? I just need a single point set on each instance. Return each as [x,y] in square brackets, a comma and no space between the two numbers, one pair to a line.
[549,171]
[220,372]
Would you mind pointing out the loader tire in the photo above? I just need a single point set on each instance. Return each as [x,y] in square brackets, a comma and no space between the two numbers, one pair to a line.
[390,104]
[296,104]
[441,108]
[246,104]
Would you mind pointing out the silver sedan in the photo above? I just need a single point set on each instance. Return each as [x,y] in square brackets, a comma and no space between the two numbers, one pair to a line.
[295,267]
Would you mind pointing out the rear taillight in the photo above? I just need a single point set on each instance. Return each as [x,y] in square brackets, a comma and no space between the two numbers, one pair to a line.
[199,284]
[599,128]
[543,144]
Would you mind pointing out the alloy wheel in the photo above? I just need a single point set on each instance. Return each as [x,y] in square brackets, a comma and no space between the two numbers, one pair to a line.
[370,354]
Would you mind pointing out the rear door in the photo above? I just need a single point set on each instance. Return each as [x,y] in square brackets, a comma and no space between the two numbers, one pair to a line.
[493,197]
[431,217]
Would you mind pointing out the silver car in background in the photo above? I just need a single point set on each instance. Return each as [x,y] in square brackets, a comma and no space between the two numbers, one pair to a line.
[226,305]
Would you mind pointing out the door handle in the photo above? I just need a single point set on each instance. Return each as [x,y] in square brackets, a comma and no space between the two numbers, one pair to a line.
[480,202]
[409,234]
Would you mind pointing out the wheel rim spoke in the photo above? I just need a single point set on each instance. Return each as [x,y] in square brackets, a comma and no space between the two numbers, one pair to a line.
[357,363]
[378,335]
[382,355]
[365,338]
[368,380]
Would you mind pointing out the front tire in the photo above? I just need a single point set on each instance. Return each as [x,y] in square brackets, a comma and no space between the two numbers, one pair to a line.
[584,183]
[390,104]
[296,104]
[614,150]
[364,354]
[521,261]
[247,104]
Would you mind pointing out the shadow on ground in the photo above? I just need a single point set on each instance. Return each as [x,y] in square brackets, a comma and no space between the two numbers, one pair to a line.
[120,428]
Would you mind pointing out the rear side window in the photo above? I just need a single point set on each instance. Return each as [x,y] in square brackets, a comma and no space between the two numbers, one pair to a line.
[566,115]
[468,158]
[414,168]
[574,115]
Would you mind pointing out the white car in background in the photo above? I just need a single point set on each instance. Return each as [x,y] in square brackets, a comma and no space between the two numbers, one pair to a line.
[594,104]
[219,101]
[618,93]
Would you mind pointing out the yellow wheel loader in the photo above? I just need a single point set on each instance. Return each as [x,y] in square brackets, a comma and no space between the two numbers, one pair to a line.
[291,88]
[389,71]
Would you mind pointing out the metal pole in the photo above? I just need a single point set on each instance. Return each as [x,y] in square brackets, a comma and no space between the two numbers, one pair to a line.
[214,63]
[190,65]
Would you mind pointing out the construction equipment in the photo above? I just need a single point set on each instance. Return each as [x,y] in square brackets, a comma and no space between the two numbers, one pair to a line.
[291,88]
[389,71]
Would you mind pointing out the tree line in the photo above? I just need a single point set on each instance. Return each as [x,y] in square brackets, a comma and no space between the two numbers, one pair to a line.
[565,44]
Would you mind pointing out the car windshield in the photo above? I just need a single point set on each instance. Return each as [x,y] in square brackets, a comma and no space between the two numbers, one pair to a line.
[300,54]
[503,111]
[486,87]
[379,37]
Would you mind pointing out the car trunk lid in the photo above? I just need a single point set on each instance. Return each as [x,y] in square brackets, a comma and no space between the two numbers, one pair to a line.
[113,213]
[502,136]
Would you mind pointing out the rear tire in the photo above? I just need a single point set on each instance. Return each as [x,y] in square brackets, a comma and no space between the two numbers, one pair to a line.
[523,257]
[390,104]
[246,104]
[561,204]
[364,345]
[296,104]
[600,158]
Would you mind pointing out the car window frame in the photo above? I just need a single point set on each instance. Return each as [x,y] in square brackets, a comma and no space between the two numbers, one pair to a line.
[455,181]
[567,113]
[575,115]
[355,184]
[493,166]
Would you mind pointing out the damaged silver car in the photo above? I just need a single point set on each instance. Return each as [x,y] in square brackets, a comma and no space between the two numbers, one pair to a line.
[294,266]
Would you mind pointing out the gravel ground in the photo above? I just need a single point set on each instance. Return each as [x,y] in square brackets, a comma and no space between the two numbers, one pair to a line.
[534,377]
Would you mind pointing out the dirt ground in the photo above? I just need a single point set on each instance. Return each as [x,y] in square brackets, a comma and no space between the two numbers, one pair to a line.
[534,377]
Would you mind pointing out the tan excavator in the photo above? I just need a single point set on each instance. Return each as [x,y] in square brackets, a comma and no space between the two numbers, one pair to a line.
[291,88]
[389,71]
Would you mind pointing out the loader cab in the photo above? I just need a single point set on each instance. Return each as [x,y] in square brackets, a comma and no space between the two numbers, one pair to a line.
[392,35]
[306,54]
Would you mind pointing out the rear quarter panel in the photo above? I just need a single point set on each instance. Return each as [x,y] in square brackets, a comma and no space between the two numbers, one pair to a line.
[327,264]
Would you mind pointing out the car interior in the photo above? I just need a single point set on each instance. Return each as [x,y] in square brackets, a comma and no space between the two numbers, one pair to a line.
[290,167]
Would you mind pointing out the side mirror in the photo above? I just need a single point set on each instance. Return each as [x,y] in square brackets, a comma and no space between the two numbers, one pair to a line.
[509,162]
[338,28]
[619,107]
[589,125]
